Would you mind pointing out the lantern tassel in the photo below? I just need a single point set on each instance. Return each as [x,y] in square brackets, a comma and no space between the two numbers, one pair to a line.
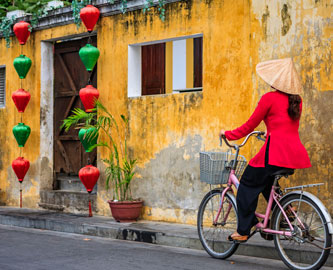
[90,211]
[20,194]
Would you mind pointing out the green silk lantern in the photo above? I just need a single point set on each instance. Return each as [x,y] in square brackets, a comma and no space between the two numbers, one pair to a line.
[89,55]
[21,133]
[22,65]
[88,137]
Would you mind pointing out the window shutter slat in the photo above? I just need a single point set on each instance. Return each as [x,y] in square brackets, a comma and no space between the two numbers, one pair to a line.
[2,86]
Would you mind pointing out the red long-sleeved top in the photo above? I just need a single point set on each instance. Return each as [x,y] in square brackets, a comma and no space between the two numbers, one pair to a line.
[285,148]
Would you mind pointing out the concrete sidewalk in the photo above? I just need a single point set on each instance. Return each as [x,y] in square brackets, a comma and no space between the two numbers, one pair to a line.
[160,233]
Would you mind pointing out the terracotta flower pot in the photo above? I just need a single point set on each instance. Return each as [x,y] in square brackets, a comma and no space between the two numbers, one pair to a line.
[125,211]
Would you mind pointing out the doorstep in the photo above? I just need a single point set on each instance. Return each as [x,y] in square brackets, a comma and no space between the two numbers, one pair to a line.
[160,233]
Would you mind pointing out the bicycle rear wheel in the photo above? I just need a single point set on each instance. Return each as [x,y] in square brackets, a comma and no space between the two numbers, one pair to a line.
[213,235]
[304,250]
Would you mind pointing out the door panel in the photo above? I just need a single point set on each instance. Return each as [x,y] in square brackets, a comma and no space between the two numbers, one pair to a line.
[70,76]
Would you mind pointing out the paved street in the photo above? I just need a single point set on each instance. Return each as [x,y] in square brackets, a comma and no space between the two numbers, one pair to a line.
[31,249]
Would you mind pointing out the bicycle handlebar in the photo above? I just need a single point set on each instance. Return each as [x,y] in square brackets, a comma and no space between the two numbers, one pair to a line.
[236,146]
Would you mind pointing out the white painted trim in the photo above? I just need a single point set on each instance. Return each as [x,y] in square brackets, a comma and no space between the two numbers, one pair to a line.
[134,71]
[15,14]
[167,40]
[179,64]
[46,101]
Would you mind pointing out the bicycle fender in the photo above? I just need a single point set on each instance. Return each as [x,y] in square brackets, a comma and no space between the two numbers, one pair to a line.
[321,206]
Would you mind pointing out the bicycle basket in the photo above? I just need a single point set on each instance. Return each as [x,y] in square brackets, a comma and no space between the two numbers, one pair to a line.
[213,167]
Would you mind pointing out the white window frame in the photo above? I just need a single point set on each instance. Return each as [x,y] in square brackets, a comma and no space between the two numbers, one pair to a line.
[134,85]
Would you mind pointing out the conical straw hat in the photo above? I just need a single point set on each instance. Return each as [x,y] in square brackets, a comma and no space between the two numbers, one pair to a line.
[281,74]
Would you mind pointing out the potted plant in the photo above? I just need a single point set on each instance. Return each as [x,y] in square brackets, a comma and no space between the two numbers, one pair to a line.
[120,166]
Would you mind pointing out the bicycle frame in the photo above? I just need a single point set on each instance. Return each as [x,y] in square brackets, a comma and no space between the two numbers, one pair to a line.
[290,223]
[233,181]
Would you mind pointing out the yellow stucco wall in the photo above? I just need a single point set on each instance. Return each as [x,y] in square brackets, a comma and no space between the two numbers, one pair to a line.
[168,131]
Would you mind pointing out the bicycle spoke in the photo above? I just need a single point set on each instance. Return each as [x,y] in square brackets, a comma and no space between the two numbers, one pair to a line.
[305,249]
[319,240]
[316,228]
[311,219]
[213,235]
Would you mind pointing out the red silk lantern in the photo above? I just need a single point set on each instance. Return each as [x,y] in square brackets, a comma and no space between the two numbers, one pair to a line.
[89,176]
[21,99]
[89,16]
[21,30]
[89,96]
[20,167]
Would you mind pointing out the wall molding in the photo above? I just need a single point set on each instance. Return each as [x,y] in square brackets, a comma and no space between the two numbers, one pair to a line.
[64,16]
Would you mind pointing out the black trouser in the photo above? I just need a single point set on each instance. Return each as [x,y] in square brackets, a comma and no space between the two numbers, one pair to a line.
[247,200]
[253,182]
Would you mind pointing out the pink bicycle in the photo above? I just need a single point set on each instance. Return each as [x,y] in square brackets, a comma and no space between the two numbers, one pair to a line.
[300,224]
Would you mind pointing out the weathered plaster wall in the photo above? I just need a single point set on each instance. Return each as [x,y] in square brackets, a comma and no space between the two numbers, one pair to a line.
[304,31]
[168,131]
[37,149]
[9,117]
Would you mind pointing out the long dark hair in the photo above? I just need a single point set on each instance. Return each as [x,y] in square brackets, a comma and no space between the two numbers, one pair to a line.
[294,109]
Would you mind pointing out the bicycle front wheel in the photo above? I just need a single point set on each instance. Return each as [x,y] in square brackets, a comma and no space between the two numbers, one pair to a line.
[305,249]
[215,224]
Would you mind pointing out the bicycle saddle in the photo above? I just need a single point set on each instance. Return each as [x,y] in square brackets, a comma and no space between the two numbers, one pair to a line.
[284,172]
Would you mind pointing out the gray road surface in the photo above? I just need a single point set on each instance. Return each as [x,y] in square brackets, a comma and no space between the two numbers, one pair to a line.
[31,249]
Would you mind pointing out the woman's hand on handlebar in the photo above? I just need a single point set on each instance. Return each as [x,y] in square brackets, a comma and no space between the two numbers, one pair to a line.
[222,133]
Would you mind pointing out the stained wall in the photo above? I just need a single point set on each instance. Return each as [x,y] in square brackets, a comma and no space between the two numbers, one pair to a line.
[168,131]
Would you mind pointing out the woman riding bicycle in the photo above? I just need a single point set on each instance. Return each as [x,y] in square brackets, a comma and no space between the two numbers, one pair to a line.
[280,110]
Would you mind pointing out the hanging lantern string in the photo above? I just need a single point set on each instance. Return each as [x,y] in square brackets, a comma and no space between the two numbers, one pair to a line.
[89,38]
[21,49]
[89,80]
[20,151]
[21,117]
[88,161]
[21,83]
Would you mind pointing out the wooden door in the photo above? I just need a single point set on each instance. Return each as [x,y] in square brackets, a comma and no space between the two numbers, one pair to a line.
[70,76]
[153,69]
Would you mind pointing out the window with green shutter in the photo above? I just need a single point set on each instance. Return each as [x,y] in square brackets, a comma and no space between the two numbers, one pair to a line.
[2,86]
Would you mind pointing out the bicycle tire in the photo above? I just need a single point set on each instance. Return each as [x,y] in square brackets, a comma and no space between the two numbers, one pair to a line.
[215,248]
[303,235]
